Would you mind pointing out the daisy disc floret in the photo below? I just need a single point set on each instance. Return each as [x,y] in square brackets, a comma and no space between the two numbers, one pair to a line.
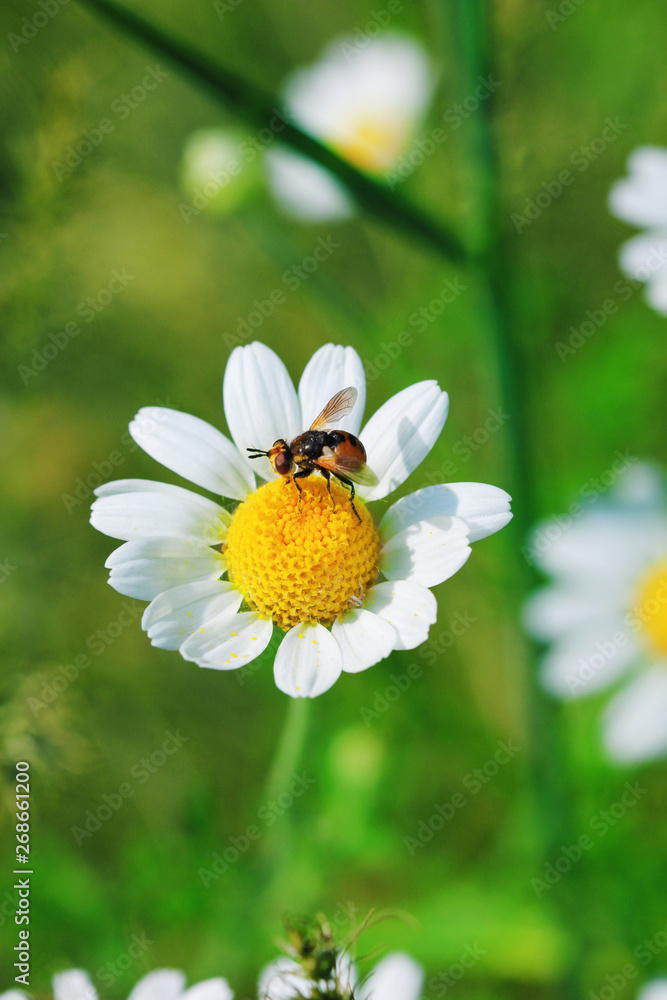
[302,556]
[344,589]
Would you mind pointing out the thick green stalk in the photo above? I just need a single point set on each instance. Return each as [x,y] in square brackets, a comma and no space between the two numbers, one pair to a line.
[497,280]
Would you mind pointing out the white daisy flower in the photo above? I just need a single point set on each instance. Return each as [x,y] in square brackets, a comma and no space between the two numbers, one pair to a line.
[606,612]
[396,977]
[366,104]
[163,984]
[641,199]
[298,555]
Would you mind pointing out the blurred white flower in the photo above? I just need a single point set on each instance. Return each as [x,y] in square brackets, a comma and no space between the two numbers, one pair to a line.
[396,977]
[219,171]
[163,984]
[655,990]
[641,199]
[605,614]
[364,103]
[345,591]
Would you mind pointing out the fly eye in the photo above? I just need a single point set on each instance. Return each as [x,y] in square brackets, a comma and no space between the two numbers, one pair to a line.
[283,463]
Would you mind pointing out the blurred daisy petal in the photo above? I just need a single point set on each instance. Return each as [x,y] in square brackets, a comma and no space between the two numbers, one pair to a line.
[305,190]
[641,198]
[554,611]
[162,984]
[75,984]
[587,660]
[210,989]
[635,722]
[283,980]
[396,977]
[655,990]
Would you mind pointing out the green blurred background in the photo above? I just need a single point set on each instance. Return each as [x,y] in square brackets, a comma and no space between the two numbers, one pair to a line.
[161,341]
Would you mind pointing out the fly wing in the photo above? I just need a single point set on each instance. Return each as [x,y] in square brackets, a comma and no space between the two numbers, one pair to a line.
[337,408]
[348,466]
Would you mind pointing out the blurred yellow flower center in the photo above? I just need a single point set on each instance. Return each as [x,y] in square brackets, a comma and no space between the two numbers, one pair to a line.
[302,560]
[652,609]
[373,145]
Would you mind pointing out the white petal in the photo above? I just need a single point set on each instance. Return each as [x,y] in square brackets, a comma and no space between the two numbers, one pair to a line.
[644,257]
[308,661]
[163,984]
[195,450]
[553,612]
[396,977]
[331,369]
[145,567]
[177,613]
[641,198]
[643,485]
[283,980]
[228,641]
[635,722]
[427,552]
[170,512]
[210,989]
[14,995]
[655,990]
[589,659]
[386,83]
[304,190]
[364,639]
[656,291]
[484,509]
[75,984]
[116,486]
[260,402]
[606,546]
[399,436]
[410,608]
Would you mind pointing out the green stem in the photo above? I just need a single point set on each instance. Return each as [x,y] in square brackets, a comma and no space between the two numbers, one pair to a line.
[496,277]
[261,109]
[277,842]
[288,752]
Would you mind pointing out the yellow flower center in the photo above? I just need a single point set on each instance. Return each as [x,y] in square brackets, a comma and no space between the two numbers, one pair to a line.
[652,609]
[302,557]
[373,145]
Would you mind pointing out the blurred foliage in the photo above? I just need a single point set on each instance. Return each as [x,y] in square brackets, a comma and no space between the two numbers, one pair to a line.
[160,339]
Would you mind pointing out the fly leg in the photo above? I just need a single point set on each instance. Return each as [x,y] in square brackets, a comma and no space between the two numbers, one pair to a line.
[348,482]
[301,474]
[327,476]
